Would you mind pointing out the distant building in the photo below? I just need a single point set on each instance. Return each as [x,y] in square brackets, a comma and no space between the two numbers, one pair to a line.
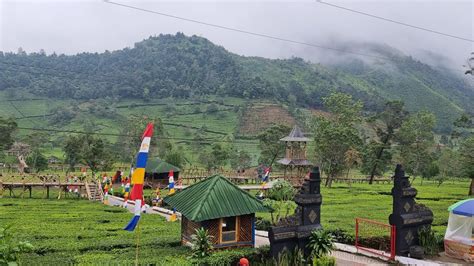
[225,210]
[156,172]
[295,162]
[54,160]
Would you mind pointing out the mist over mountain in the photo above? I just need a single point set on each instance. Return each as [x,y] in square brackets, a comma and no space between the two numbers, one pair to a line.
[182,66]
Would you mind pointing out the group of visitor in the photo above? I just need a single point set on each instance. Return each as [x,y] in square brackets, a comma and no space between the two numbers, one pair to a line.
[72,188]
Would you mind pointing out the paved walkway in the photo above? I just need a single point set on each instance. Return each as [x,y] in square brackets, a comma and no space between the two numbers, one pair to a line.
[342,258]
[348,259]
[116,201]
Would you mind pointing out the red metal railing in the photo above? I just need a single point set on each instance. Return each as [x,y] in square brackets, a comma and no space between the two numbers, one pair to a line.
[375,237]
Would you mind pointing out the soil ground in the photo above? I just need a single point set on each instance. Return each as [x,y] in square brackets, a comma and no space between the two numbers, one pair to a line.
[258,117]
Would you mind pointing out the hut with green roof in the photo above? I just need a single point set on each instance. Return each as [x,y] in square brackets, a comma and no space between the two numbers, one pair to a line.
[225,210]
[156,172]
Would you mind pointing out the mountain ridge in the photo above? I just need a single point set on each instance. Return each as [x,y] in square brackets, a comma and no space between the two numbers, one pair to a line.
[183,66]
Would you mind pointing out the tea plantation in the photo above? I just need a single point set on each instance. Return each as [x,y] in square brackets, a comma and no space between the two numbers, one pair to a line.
[69,231]
[76,231]
[342,204]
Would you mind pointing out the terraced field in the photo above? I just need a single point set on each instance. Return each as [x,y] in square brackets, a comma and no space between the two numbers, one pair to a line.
[258,117]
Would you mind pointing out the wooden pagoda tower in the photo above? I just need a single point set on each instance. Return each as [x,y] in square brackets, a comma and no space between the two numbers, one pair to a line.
[295,162]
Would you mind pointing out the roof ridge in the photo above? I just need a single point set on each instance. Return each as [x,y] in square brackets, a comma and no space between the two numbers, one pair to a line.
[217,197]
[244,191]
[206,195]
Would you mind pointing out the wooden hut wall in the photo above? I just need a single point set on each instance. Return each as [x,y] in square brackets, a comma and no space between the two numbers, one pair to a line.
[244,232]
[188,228]
[245,228]
[213,228]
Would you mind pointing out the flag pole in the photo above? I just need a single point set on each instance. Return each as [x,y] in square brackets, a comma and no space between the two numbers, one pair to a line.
[138,244]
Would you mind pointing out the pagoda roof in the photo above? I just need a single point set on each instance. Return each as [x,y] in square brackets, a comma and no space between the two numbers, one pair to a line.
[295,135]
[212,198]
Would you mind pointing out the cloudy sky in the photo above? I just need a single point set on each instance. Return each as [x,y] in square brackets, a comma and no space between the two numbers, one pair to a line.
[94,26]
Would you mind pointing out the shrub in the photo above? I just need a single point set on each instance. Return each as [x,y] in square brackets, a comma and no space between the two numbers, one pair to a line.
[342,236]
[262,224]
[285,258]
[227,257]
[212,108]
[232,256]
[279,209]
[202,244]
[282,190]
[376,242]
[10,249]
[428,240]
[321,243]
[118,194]
[296,257]
[324,261]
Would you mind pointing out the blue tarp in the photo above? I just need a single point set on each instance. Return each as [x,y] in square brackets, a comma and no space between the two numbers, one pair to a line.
[464,208]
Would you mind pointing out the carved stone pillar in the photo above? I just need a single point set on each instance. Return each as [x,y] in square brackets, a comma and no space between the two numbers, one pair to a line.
[294,231]
[408,216]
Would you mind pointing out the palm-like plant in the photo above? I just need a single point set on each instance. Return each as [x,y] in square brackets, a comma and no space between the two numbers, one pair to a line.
[290,258]
[321,243]
[202,244]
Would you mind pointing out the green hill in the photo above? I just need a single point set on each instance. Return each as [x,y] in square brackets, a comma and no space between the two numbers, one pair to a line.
[188,68]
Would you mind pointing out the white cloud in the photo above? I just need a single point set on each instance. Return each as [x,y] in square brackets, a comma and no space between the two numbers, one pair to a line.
[94,26]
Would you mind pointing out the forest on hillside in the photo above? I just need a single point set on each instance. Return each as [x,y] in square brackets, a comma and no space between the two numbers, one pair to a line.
[185,67]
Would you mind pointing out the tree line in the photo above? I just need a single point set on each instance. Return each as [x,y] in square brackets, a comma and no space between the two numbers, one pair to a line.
[179,66]
[343,140]
[394,135]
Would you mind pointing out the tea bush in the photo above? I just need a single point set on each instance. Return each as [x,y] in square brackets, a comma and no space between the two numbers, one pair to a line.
[342,204]
[10,248]
[75,231]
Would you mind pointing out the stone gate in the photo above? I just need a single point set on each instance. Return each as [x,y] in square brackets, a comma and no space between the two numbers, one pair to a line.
[408,216]
[294,231]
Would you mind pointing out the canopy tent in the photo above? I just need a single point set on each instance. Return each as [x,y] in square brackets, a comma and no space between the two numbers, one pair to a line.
[459,237]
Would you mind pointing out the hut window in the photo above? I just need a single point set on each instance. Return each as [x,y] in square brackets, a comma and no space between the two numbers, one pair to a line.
[229,229]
